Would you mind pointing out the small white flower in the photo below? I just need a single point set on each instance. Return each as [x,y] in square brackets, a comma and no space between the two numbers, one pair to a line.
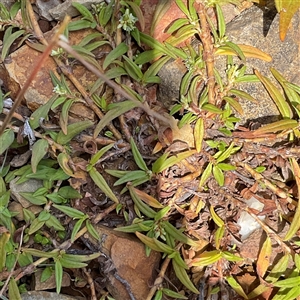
[127,21]
[59,90]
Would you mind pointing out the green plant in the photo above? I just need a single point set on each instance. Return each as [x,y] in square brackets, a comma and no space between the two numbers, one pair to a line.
[208,103]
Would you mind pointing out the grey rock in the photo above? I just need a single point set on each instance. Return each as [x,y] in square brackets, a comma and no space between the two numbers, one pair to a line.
[45,6]
[7,3]
[29,186]
[46,296]
[249,28]
[66,8]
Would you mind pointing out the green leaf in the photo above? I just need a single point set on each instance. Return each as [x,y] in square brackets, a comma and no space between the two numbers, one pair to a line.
[41,113]
[35,226]
[70,211]
[91,230]
[76,228]
[275,94]
[120,109]
[243,95]
[4,238]
[102,184]
[163,162]
[183,277]
[99,154]
[229,151]
[53,222]
[276,126]
[206,258]
[58,275]
[183,7]
[44,216]
[173,294]
[235,285]
[46,274]
[69,193]
[39,253]
[137,156]
[216,218]
[64,116]
[177,24]
[235,104]
[6,139]
[71,264]
[205,175]
[121,49]
[73,130]
[13,291]
[288,283]
[131,176]
[8,39]
[221,21]
[226,167]
[79,25]
[156,45]
[36,200]
[143,207]
[83,11]
[132,69]
[219,175]
[178,235]
[39,150]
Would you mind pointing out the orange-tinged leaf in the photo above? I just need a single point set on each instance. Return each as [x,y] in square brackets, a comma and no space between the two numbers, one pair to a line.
[199,134]
[148,199]
[263,261]
[276,126]
[276,95]
[286,9]
[249,51]
[295,225]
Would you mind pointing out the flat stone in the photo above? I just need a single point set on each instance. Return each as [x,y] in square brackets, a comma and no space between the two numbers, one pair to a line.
[39,295]
[30,185]
[129,262]
[21,63]
[66,8]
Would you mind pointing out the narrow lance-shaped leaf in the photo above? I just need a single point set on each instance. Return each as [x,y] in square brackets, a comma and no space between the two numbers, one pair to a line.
[295,225]
[263,261]
[73,130]
[39,150]
[183,277]
[236,286]
[6,139]
[137,156]
[275,95]
[114,54]
[58,275]
[286,9]
[13,291]
[114,113]
[102,184]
